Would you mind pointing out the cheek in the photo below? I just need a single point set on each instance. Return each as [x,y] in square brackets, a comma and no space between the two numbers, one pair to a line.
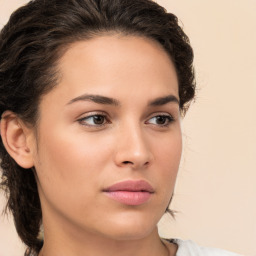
[70,171]
[72,160]
[168,151]
[66,147]
[167,161]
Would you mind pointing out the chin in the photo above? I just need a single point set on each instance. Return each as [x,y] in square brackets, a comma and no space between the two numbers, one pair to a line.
[130,226]
[130,234]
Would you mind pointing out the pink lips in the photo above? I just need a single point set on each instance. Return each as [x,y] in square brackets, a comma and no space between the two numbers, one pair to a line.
[130,192]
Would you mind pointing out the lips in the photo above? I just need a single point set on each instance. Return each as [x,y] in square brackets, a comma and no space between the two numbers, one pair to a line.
[130,192]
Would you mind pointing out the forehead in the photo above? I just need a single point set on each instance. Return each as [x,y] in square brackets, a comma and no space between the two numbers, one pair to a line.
[106,65]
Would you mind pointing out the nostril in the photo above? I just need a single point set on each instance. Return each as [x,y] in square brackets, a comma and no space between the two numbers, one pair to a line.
[130,162]
[127,162]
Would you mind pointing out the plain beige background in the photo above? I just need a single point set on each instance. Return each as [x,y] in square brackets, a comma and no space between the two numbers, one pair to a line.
[215,194]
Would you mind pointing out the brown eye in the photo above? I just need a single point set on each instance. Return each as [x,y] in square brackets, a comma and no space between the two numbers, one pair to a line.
[161,120]
[93,120]
[98,119]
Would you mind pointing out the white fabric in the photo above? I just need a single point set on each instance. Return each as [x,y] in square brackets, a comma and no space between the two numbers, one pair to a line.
[189,248]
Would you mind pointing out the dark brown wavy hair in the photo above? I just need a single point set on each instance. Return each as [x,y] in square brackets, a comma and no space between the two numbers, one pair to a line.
[32,42]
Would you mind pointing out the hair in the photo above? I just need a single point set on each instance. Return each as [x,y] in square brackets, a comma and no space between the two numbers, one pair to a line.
[32,42]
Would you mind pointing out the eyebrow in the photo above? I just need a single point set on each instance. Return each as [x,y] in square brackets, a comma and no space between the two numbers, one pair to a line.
[96,98]
[111,101]
[164,100]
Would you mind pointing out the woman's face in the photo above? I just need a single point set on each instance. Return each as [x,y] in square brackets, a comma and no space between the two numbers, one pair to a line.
[113,118]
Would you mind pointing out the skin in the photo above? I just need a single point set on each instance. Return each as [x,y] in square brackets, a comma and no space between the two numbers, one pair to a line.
[76,158]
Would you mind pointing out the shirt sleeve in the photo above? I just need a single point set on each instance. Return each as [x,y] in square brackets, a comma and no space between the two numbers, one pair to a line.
[189,248]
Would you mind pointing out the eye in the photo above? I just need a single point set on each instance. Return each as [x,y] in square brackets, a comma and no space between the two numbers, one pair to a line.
[94,120]
[161,120]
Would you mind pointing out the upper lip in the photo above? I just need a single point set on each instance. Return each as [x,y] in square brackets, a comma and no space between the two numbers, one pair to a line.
[131,185]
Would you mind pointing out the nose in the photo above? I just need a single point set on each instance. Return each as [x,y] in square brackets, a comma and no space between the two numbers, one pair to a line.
[132,149]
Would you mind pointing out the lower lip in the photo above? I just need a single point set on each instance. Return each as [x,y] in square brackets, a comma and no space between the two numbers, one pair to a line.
[129,197]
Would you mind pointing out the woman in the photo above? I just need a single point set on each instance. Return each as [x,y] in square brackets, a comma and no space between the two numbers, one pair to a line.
[91,95]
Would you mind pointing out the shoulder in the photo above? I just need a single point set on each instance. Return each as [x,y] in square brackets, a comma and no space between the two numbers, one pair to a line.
[190,248]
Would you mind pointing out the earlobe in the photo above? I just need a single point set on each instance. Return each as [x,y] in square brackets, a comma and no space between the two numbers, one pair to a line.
[15,139]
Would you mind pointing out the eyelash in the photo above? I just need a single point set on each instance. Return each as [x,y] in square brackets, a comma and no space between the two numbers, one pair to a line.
[167,118]
[83,120]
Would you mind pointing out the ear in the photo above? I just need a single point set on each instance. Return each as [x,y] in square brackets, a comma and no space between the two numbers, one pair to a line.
[15,136]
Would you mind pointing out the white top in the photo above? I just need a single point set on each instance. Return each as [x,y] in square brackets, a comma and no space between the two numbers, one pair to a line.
[189,248]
